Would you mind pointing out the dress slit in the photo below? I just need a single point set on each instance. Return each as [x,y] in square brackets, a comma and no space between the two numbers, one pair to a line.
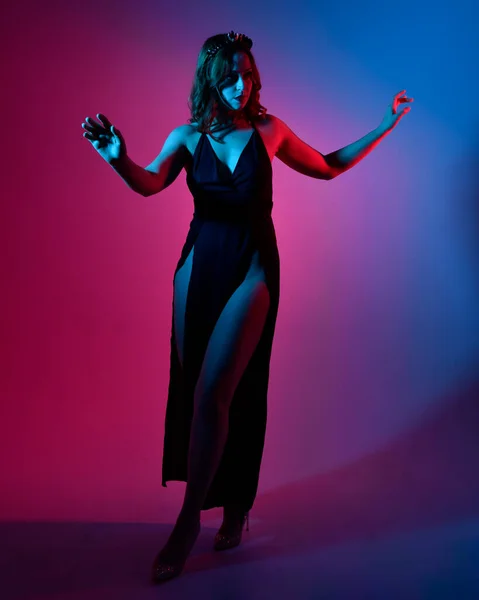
[232,220]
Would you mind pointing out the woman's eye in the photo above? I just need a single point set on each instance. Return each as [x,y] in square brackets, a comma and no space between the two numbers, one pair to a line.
[233,78]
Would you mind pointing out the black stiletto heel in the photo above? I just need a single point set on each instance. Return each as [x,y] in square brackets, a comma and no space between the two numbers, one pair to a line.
[162,571]
[225,542]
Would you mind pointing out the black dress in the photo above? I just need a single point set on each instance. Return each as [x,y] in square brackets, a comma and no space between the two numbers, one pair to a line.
[231,220]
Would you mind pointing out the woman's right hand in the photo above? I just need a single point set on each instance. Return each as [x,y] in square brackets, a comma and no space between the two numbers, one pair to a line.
[105,138]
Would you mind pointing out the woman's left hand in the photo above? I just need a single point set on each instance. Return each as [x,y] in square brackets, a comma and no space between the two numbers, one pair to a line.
[392,116]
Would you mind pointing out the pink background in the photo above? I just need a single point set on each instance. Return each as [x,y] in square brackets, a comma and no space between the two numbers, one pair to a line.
[378,323]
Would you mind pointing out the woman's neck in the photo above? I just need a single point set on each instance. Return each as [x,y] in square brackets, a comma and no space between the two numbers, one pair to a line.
[237,120]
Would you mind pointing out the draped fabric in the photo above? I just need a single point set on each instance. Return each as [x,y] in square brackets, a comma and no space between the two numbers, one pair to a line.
[231,221]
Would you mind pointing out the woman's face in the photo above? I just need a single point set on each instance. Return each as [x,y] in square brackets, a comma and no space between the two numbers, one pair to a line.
[240,81]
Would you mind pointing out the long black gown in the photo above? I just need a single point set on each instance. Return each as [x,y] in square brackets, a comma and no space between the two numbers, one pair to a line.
[231,220]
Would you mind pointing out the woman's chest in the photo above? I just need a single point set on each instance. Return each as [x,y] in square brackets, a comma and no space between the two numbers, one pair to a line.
[230,149]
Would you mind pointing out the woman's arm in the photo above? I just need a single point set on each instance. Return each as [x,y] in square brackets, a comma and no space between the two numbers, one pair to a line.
[345,158]
[306,160]
[136,177]
[162,171]
[341,160]
[298,155]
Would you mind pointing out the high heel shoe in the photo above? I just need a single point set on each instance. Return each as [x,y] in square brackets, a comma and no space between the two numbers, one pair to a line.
[225,542]
[162,570]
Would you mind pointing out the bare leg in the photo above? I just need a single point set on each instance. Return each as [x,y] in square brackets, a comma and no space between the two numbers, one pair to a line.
[209,431]
[231,345]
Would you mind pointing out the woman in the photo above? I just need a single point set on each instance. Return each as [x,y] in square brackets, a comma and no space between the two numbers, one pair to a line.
[226,283]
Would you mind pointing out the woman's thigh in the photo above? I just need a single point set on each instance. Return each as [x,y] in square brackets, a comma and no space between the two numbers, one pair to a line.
[181,284]
[233,340]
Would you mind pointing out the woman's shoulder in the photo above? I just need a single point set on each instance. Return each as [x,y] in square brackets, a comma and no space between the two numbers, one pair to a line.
[190,129]
[271,119]
[263,119]
[182,132]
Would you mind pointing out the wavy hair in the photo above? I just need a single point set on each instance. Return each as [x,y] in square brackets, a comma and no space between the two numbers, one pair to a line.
[203,101]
